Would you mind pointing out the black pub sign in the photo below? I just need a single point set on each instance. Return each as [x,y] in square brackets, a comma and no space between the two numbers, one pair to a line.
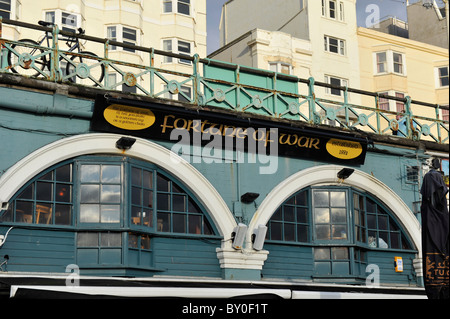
[202,127]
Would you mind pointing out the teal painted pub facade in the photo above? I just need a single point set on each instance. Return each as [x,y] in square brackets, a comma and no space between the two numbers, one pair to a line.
[242,184]
[70,196]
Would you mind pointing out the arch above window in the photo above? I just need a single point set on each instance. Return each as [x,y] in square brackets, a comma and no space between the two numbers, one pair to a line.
[49,155]
[327,175]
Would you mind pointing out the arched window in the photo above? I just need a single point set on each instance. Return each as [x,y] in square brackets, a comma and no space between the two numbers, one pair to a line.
[341,224]
[109,192]
[115,206]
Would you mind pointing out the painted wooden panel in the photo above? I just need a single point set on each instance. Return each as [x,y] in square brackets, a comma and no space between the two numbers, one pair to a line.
[288,262]
[186,257]
[38,250]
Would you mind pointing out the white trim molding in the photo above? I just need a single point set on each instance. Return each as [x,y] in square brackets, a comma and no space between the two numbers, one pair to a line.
[24,170]
[327,174]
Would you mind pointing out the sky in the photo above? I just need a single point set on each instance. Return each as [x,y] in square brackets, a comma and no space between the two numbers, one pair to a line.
[395,8]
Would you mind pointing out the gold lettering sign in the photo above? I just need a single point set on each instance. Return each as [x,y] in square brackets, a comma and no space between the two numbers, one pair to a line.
[128,117]
[344,149]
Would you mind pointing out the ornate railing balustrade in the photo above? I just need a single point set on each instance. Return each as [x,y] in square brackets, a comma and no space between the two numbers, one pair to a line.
[205,82]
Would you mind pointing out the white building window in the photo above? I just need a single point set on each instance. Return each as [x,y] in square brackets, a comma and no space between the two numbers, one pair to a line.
[280,67]
[181,47]
[442,76]
[5,9]
[389,104]
[398,62]
[381,62]
[334,45]
[335,81]
[122,34]
[177,6]
[333,9]
[389,62]
[66,21]
[185,94]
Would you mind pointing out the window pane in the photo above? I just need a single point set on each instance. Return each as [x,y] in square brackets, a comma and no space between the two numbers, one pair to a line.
[289,232]
[302,233]
[179,203]
[193,207]
[275,231]
[24,212]
[44,191]
[111,239]
[136,196]
[382,222]
[87,239]
[133,240]
[277,215]
[302,215]
[110,174]
[337,199]
[323,232]
[43,213]
[195,224]
[90,193]
[89,213]
[148,199]
[110,194]
[63,214]
[179,223]
[339,253]
[322,254]
[129,34]
[395,240]
[167,6]
[339,232]
[110,214]
[183,6]
[321,199]
[301,199]
[136,176]
[289,213]
[64,173]
[145,242]
[90,173]
[147,179]
[163,201]
[338,215]
[322,215]
[136,215]
[162,183]
[163,222]
[28,192]
[63,193]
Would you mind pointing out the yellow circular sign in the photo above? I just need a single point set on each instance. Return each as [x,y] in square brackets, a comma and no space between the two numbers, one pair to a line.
[129,117]
[344,149]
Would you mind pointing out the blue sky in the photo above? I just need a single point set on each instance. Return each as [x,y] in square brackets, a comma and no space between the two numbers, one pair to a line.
[387,7]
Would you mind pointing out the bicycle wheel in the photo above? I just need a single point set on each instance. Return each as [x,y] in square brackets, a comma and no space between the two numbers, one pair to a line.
[26,60]
[86,68]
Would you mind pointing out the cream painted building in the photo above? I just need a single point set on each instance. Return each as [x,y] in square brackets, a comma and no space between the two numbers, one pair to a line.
[403,67]
[321,39]
[307,38]
[178,26]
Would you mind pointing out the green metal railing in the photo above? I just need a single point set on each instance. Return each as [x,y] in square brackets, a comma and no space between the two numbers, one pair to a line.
[207,82]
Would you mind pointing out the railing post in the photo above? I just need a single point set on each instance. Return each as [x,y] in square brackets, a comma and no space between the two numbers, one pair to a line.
[409,118]
[3,62]
[312,101]
[377,110]
[106,54]
[347,119]
[152,72]
[198,96]
[54,63]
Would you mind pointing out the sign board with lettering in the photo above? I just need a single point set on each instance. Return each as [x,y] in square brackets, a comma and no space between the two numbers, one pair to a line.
[165,122]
